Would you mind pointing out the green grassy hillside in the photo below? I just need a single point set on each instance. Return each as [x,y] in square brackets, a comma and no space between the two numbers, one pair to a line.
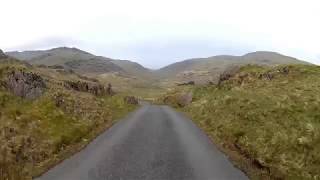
[39,132]
[71,58]
[267,119]
[204,70]
[81,61]
[123,74]
[134,69]
[130,76]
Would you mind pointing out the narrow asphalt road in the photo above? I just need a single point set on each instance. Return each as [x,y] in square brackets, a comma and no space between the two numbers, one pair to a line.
[155,142]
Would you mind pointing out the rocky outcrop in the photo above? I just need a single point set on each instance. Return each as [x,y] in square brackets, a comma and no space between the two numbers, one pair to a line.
[90,87]
[58,99]
[87,78]
[267,75]
[228,73]
[131,100]
[56,67]
[25,84]
[170,100]
[110,90]
[272,73]
[186,83]
[2,55]
[179,99]
[284,70]
[185,99]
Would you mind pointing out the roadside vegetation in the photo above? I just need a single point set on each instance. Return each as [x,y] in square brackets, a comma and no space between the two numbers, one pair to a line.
[43,121]
[267,119]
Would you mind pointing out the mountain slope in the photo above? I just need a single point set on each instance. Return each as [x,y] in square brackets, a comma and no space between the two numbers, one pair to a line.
[45,116]
[82,62]
[124,75]
[53,56]
[71,58]
[265,118]
[196,69]
[133,68]
[124,72]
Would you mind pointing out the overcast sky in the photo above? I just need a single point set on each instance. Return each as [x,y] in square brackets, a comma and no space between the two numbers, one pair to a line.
[155,33]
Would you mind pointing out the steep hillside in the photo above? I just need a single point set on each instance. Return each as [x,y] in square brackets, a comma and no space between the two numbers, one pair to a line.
[47,114]
[81,61]
[130,76]
[71,58]
[54,56]
[205,70]
[125,75]
[134,68]
[265,118]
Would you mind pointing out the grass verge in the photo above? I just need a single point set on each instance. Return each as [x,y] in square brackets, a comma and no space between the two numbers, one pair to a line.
[267,119]
[37,134]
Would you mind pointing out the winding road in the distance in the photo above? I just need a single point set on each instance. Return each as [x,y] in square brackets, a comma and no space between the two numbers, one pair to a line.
[155,142]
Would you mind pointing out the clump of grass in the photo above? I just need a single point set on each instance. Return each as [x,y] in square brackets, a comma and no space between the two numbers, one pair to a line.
[268,115]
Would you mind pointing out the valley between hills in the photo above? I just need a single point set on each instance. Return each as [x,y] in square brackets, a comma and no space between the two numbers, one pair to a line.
[261,109]
[131,77]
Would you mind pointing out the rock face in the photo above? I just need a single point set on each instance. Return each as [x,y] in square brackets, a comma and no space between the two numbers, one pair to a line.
[131,100]
[187,83]
[228,73]
[170,100]
[185,99]
[2,55]
[179,100]
[271,74]
[110,90]
[56,67]
[25,84]
[93,88]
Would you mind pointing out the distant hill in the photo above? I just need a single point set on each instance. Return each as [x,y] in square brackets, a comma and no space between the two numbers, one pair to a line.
[134,68]
[200,70]
[79,61]
[206,69]
[52,56]
[124,75]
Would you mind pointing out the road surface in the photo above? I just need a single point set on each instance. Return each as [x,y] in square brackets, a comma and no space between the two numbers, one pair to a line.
[155,142]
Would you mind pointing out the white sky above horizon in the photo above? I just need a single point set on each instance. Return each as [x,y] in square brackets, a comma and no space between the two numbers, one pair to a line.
[156,33]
